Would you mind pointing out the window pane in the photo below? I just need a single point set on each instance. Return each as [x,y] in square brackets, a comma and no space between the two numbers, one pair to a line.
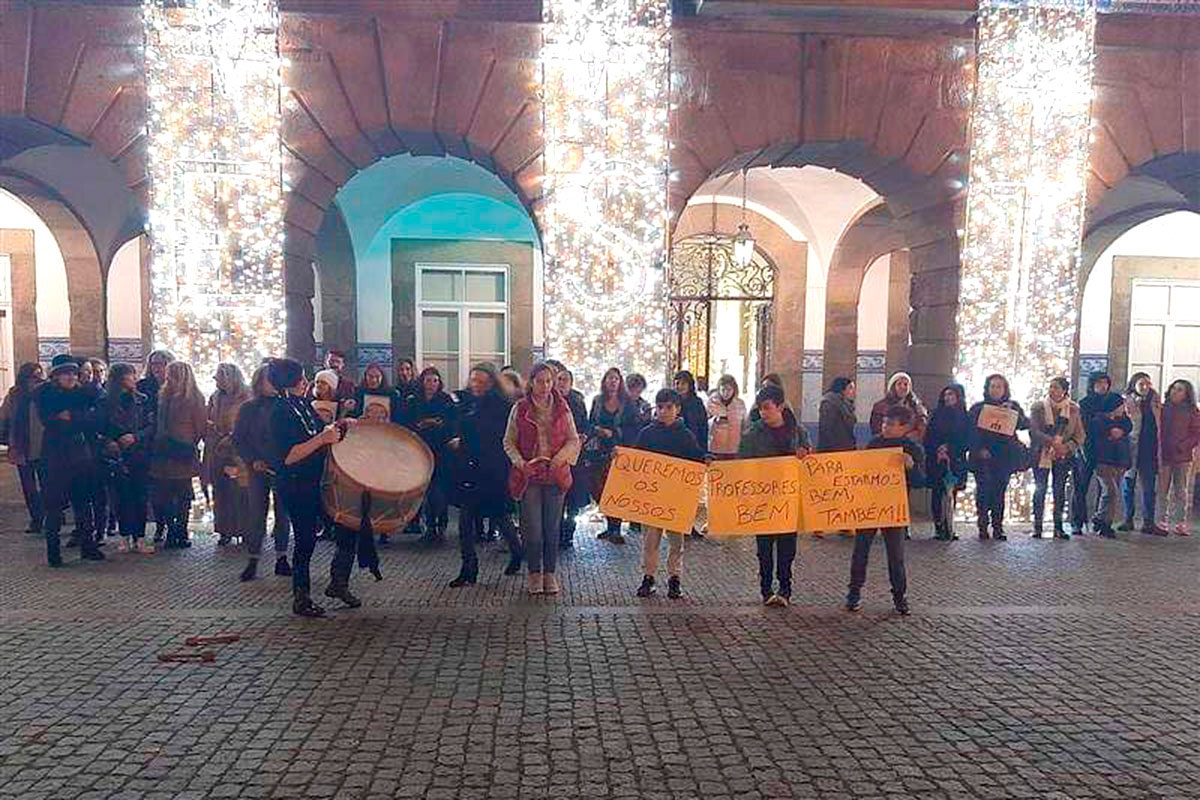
[1151,301]
[1153,370]
[487,332]
[1187,344]
[1146,343]
[485,287]
[1188,374]
[1185,302]
[440,286]
[439,331]
[448,366]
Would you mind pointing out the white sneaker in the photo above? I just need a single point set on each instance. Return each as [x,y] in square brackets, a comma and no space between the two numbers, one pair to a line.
[125,545]
[146,547]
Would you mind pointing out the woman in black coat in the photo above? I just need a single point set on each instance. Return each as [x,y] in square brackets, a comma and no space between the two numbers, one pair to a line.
[693,411]
[431,415]
[480,487]
[837,417]
[126,431]
[994,457]
[946,440]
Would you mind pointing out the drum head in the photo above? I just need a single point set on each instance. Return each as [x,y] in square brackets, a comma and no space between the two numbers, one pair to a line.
[384,458]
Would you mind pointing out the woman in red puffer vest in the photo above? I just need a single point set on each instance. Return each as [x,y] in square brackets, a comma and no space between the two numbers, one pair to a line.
[542,443]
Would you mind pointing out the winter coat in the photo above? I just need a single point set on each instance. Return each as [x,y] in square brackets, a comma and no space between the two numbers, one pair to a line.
[1144,448]
[835,431]
[670,440]
[920,415]
[638,415]
[179,429]
[522,437]
[1003,453]
[725,423]
[1180,433]
[219,449]
[1101,413]
[481,465]
[128,413]
[432,419]
[22,425]
[1044,427]
[598,449]
[65,443]
[758,441]
[949,426]
[252,430]
[695,417]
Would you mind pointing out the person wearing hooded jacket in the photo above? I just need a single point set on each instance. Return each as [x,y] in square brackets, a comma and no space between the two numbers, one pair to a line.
[994,457]
[64,411]
[1144,408]
[835,431]
[1055,435]
[1105,452]
[481,466]
[945,443]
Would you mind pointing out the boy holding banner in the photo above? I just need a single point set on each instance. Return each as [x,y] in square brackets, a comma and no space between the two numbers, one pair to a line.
[774,433]
[898,423]
[667,435]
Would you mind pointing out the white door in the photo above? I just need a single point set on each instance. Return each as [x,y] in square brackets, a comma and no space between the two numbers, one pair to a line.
[1164,331]
[7,367]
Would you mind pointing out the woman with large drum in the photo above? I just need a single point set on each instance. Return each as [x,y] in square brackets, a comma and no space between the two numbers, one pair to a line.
[481,481]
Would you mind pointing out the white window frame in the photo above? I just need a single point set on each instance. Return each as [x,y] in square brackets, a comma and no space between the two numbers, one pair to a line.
[1167,366]
[463,309]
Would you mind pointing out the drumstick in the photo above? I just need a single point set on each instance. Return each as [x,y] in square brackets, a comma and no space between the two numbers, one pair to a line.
[220,638]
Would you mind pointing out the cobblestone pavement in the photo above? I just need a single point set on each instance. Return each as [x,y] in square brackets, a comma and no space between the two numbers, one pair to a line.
[1032,669]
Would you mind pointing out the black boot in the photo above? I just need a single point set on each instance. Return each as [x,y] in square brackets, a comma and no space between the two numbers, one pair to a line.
[514,563]
[250,572]
[53,551]
[302,605]
[463,579]
[339,589]
[282,567]
[998,525]
[982,524]
[1037,528]
[88,550]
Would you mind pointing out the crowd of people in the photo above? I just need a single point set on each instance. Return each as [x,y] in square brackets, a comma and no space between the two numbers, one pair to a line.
[521,455]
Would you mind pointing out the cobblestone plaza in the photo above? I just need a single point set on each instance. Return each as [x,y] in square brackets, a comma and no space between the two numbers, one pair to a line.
[1032,669]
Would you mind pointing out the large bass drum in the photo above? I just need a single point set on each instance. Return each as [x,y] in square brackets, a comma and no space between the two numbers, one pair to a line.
[381,467]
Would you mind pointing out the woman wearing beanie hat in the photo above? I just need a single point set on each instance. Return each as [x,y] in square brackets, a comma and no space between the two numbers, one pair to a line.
[64,413]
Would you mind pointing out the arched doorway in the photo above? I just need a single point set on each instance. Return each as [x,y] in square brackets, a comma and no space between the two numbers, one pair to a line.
[720,312]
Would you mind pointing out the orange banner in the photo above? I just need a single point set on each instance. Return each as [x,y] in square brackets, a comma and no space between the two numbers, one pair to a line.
[853,490]
[652,489]
[753,496]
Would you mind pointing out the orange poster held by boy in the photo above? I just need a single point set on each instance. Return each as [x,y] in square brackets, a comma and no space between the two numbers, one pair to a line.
[652,489]
[853,490]
[753,496]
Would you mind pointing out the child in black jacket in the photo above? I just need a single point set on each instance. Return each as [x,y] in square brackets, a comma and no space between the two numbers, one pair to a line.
[897,425]
[670,436]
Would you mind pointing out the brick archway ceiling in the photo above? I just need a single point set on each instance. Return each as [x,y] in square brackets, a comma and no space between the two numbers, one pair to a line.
[72,76]
[1158,187]
[365,87]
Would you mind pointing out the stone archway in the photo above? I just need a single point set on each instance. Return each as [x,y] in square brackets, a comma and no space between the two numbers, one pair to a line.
[405,98]
[918,214]
[790,258]
[85,272]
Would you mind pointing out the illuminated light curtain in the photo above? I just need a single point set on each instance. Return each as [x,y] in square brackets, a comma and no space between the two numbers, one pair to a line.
[216,200]
[605,84]
[1019,287]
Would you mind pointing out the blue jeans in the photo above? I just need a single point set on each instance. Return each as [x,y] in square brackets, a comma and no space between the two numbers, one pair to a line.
[1149,479]
[541,516]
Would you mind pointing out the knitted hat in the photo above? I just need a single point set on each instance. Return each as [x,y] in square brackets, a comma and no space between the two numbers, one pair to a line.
[327,377]
[63,362]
